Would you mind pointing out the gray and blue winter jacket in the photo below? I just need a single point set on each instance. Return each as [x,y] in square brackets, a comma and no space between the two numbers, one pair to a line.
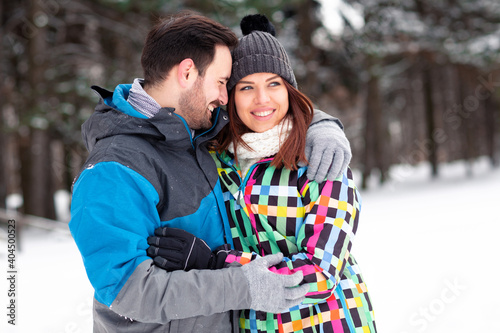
[141,174]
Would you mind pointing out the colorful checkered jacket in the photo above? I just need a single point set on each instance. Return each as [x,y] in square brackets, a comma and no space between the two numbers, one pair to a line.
[277,210]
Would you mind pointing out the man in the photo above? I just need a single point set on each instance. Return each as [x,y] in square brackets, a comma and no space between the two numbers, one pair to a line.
[149,167]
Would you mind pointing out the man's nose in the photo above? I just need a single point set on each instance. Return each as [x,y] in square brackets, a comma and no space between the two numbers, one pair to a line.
[223,96]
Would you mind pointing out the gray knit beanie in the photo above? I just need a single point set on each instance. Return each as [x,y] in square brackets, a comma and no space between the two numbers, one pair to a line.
[259,52]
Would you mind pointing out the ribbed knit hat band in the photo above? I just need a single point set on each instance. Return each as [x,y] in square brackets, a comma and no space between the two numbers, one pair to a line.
[260,52]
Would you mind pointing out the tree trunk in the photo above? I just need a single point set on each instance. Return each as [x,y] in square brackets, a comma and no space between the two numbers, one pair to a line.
[429,114]
[491,108]
[3,136]
[24,153]
[3,168]
[467,115]
[43,187]
[307,52]
[34,144]
[373,156]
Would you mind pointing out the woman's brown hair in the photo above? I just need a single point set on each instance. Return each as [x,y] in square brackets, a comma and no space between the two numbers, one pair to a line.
[300,113]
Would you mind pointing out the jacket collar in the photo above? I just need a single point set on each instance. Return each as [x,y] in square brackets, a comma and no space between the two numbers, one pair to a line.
[114,116]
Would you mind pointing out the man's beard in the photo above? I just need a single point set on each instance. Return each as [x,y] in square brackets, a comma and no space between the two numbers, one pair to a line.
[193,107]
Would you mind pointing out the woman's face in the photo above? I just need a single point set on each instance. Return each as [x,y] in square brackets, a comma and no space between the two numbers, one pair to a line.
[261,101]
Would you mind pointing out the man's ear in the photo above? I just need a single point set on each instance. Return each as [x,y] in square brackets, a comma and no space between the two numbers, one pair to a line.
[186,72]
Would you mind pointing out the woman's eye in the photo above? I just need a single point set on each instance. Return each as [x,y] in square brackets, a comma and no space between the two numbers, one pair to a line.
[246,88]
[274,84]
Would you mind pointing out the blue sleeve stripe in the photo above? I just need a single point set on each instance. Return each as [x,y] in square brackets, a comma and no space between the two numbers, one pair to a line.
[113,211]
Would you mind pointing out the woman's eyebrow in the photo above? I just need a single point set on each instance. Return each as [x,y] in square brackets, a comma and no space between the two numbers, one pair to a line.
[245,82]
[272,78]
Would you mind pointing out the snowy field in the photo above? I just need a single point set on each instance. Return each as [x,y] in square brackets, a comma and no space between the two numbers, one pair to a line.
[427,249]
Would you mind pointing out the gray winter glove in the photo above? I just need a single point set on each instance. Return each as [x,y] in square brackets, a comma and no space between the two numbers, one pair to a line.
[327,150]
[272,292]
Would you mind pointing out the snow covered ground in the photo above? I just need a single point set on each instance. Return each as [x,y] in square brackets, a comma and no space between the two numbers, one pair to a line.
[427,248]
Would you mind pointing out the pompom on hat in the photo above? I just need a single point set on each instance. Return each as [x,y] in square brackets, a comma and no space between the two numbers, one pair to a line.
[259,52]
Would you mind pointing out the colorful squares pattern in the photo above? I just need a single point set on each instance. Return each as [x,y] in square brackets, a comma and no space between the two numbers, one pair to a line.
[313,225]
[322,317]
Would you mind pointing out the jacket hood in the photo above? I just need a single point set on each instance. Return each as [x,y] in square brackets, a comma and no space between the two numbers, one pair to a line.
[115,116]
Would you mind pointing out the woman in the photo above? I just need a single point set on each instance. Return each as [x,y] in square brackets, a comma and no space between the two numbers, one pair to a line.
[273,207]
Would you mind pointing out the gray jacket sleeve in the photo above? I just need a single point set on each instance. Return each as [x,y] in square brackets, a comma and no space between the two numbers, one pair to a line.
[154,295]
[320,116]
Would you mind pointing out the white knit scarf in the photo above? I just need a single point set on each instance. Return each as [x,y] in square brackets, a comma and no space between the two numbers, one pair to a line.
[262,145]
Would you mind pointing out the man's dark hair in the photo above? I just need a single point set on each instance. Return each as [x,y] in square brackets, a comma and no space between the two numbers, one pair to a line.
[185,35]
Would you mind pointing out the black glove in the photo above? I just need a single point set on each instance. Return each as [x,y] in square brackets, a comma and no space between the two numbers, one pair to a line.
[219,256]
[175,249]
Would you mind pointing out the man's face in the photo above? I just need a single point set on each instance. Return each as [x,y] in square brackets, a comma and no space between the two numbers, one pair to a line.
[208,92]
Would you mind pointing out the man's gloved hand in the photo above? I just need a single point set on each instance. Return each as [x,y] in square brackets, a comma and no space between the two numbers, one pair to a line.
[175,249]
[272,292]
[327,150]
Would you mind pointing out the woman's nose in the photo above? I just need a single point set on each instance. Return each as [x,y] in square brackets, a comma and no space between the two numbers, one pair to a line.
[261,96]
